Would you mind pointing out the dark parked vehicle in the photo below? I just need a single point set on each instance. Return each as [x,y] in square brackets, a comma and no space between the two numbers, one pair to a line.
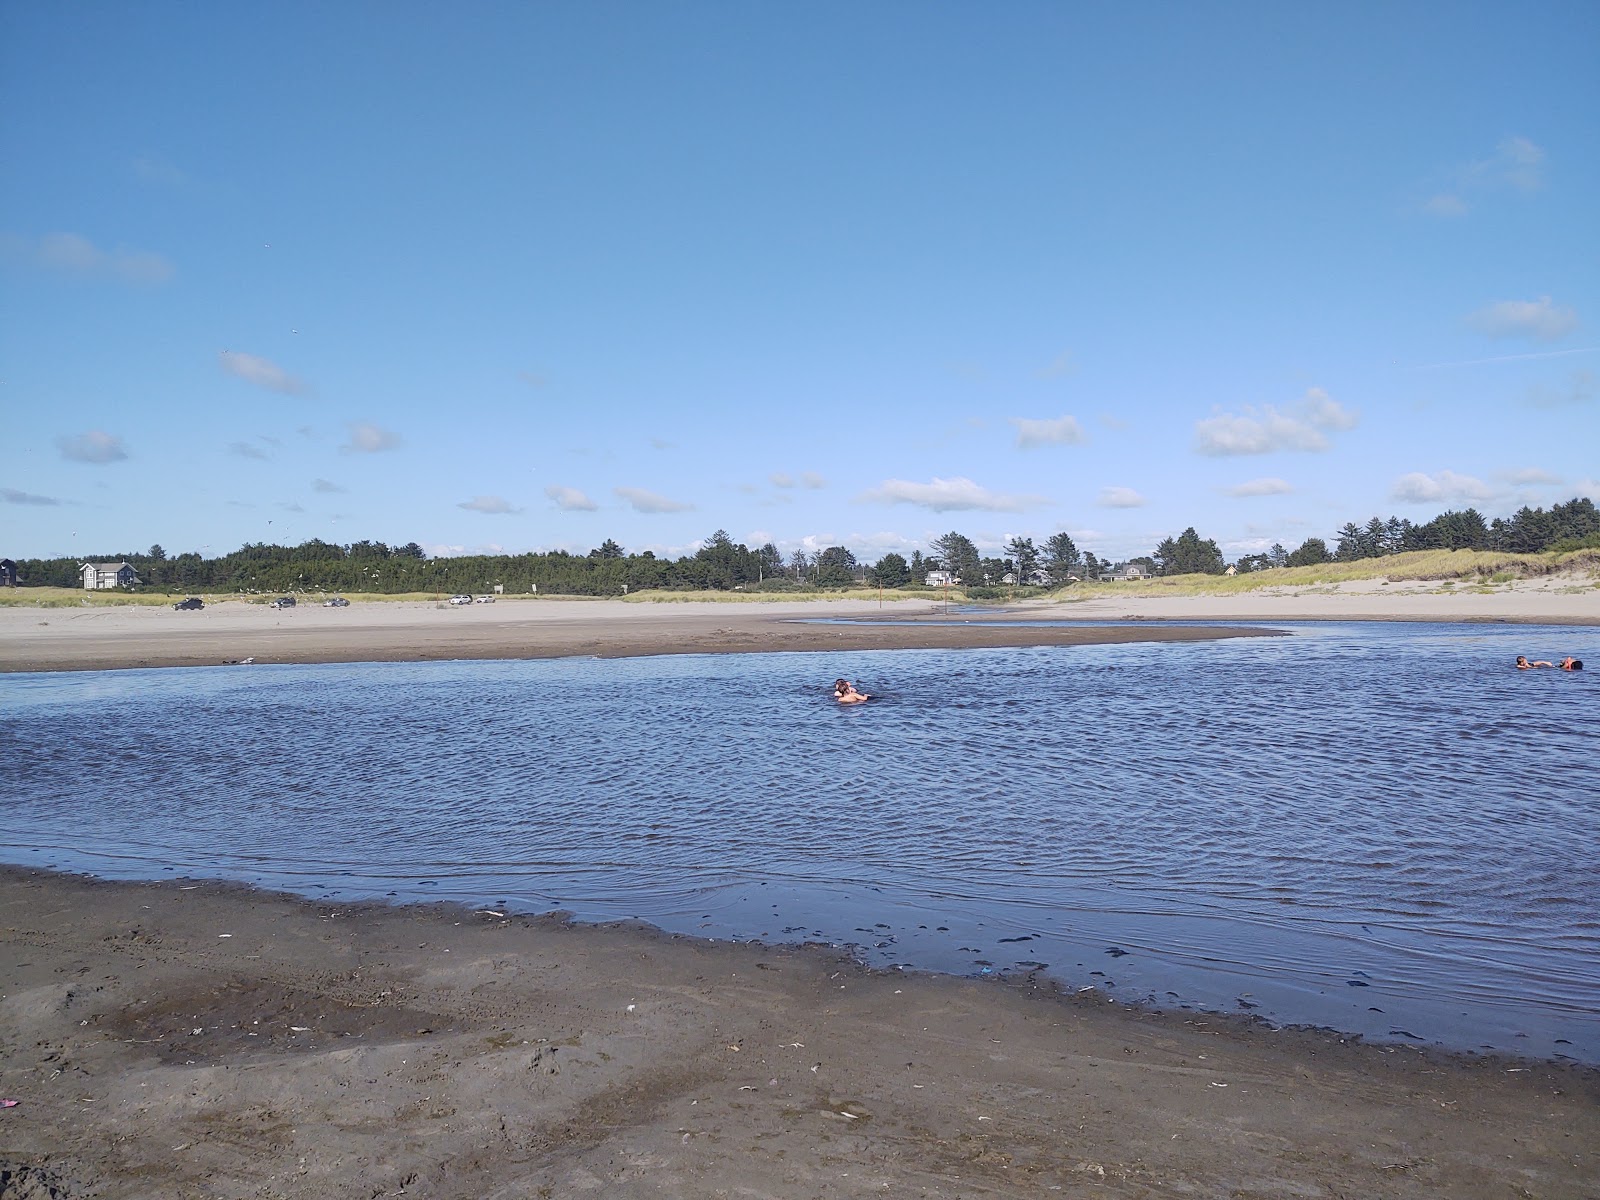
[336,602]
[192,603]
[282,602]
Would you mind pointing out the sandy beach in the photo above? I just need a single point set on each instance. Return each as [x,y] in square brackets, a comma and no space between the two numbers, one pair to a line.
[65,639]
[194,1039]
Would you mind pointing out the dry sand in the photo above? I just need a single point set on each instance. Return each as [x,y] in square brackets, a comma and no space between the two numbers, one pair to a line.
[186,1040]
[1551,600]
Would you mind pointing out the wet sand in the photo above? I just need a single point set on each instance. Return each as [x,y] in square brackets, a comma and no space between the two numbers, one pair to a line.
[72,639]
[194,1039]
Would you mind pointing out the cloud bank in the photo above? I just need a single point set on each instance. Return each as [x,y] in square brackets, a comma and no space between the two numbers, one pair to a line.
[949,495]
[259,371]
[1260,487]
[489,504]
[74,254]
[366,438]
[1538,319]
[1303,426]
[12,496]
[1441,487]
[649,502]
[1061,431]
[1119,497]
[96,446]
[570,499]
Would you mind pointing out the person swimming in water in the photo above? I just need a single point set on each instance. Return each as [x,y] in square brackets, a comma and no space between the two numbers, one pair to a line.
[845,693]
[1571,664]
[1523,664]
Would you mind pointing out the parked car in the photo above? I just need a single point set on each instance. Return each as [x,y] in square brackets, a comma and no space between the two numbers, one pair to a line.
[282,602]
[460,599]
[336,602]
[485,600]
[190,605]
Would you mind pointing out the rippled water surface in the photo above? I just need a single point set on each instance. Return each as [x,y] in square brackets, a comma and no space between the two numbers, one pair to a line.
[1382,828]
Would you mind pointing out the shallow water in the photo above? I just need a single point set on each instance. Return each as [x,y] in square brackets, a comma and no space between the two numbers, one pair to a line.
[1381,828]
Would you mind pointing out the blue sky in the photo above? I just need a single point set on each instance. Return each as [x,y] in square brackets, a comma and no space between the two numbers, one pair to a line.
[528,276]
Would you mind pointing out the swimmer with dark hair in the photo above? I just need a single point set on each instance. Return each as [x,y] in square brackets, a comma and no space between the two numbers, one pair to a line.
[845,693]
[1571,664]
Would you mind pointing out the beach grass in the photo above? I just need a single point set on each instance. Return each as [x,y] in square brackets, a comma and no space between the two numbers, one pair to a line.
[1444,567]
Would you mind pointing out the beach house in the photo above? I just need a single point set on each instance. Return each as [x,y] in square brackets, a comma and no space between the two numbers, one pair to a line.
[98,576]
[943,579]
[1127,573]
[8,573]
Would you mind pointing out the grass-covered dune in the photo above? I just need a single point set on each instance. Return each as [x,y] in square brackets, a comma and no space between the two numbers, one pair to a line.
[1471,567]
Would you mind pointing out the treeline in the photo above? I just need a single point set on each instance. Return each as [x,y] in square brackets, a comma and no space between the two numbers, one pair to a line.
[1570,526]
[722,564]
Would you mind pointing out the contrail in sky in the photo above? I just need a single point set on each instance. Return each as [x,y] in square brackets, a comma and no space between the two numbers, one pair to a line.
[1476,362]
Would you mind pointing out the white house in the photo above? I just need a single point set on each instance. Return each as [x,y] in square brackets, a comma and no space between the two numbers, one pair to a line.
[1125,574]
[99,576]
[943,579]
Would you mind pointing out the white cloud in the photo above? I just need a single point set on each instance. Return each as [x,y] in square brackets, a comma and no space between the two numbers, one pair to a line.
[570,499]
[1119,497]
[949,495]
[248,450]
[74,254]
[810,479]
[366,438]
[96,446]
[1446,487]
[1578,389]
[260,372]
[1061,431]
[326,486]
[1261,487]
[649,502]
[1538,319]
[781,479]
[1529,475]
[1303,426]
[657,443]
[1589,488]
[1516,163]
[489,504]
[12,496]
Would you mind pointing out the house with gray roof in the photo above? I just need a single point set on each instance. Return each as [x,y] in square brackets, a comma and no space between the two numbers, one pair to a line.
[103,575]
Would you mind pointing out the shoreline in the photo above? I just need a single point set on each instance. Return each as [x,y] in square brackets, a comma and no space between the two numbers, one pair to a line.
[126,638]
[229,631]
[191,1037]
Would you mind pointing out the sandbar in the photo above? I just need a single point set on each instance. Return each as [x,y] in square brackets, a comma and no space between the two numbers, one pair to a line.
[197,1039]
[69,639]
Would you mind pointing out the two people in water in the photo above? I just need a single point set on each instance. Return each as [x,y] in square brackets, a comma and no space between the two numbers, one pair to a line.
[1567,664]
[845,693]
